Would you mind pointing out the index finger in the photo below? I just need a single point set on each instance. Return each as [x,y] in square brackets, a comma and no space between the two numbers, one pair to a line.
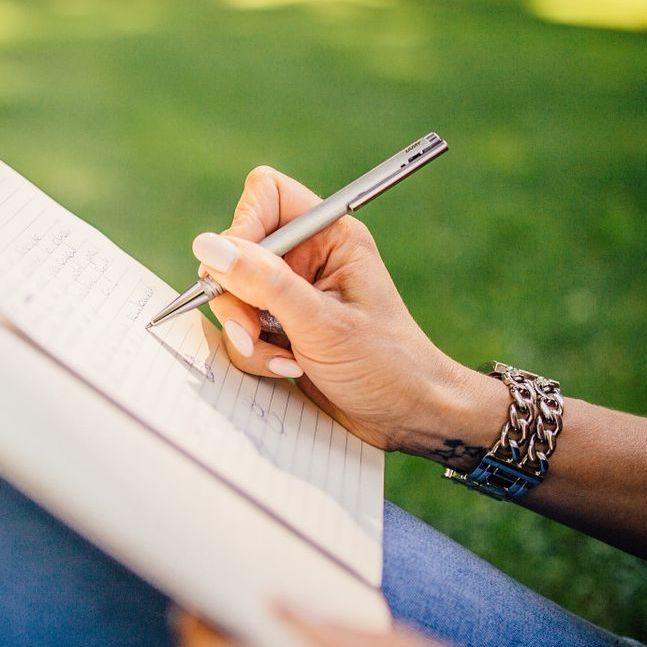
[270,199]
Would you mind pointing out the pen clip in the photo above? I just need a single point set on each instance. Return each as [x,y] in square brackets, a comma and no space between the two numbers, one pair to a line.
[435,147]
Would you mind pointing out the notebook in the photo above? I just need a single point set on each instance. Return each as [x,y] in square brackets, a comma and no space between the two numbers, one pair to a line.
[289,502]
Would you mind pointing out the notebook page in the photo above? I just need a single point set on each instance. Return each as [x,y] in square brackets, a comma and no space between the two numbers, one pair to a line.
[197,543]
[86,302]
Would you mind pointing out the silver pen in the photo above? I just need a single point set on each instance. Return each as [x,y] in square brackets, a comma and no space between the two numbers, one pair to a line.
[346,201]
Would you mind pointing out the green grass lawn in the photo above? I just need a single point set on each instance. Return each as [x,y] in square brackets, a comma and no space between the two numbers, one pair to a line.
[527,242]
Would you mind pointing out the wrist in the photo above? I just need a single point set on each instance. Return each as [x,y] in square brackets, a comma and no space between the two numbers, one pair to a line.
[463,414]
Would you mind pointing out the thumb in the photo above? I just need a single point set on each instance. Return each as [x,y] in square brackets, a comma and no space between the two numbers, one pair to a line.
[260,278]
[270,199]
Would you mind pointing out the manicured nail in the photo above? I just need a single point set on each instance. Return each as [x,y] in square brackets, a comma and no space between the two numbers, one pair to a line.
[215,251]
[240,338]
[284,367]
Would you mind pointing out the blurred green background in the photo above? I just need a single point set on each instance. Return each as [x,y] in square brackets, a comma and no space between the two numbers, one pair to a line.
[527,242]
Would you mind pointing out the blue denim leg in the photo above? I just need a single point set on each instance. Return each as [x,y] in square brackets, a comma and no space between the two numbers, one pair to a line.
[58,590]
[437,586]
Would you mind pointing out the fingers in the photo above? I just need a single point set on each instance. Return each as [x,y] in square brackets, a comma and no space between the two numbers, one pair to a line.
[192,632]
[269,200]
[260,279]
[318,633]
[241,328]
[239,321]
[266,359]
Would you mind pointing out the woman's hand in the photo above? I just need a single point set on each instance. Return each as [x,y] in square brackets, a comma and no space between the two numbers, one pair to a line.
[366,362]
[192,632]
[353,346]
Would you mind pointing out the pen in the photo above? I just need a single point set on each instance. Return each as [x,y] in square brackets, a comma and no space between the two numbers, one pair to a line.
[346,201]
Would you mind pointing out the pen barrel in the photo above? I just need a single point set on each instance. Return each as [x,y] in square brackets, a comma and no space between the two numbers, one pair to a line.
[310,223]
[347,200]
[356,194]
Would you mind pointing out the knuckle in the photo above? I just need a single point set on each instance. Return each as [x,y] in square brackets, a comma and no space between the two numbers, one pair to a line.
[248,221]
[354,231]
[259,173]
[243,213]
[279,276]
[361,234]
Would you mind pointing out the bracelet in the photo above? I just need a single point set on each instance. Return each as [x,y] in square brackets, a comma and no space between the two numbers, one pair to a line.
[548,425]
[518,460]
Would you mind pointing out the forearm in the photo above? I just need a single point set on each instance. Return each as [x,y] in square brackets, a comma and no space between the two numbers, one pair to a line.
[597,481]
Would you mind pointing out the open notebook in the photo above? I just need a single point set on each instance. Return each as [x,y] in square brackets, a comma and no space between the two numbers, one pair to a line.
[76,306]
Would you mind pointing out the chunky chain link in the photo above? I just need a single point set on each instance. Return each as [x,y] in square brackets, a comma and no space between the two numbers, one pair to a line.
[518,461]
[522,412]
[528,437]
[547,426]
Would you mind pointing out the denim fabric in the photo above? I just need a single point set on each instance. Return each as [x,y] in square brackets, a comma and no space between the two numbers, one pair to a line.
[442,589]
[57,590]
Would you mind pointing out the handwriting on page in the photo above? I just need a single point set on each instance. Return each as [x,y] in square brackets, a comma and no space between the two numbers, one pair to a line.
[86,302]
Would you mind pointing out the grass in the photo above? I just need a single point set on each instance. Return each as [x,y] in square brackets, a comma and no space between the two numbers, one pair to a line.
[527,242]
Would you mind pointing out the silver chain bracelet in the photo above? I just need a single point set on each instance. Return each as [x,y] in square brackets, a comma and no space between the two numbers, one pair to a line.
[522,412]
[518,460]
[548,425]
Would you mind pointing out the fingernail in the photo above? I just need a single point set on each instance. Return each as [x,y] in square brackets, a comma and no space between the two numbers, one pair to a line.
[240,338]
[284,367]
[215,251]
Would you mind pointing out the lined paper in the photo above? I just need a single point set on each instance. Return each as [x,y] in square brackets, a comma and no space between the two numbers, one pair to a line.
[86,302]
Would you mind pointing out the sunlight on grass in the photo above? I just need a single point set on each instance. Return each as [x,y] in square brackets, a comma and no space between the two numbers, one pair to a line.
[272,4]
[14,21]
[120,17]
[86,19]
[611,14]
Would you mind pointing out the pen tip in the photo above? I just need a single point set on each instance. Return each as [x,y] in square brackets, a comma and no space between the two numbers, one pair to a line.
[149,325]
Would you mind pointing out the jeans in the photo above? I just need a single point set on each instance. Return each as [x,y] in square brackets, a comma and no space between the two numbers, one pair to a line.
[56,589]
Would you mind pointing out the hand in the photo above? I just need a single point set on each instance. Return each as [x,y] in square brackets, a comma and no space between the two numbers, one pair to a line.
[192,632]
[366,362]
[354,347]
